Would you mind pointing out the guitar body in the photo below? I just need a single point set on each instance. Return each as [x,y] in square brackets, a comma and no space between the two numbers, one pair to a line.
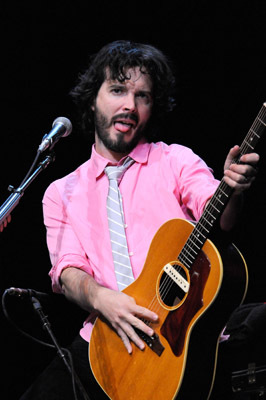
[180,363]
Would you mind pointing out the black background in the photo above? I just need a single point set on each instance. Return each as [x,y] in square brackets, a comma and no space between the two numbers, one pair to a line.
[218,50]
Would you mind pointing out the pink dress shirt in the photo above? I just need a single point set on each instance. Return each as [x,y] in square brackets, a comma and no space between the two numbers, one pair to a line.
[165,182]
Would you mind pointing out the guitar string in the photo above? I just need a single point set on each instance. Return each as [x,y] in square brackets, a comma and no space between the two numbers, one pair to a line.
[244,148]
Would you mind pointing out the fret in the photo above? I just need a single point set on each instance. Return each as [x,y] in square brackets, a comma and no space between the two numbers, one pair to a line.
[252,148]
[197,242]
[191,248]
[215,208]
[200,224]
[220,198]
[184,259]
[212,220]
[220,201]
[208,222]
[262,121]
[198,235]
[184,262]
[208,212]
[194,243]
[257,130]
[225,194]
[191,245]
[255,133]
[187,254]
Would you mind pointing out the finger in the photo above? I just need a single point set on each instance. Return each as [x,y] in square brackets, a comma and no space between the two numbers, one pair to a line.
[125,340]
[248,169]
[237,181]
[232,155]
[236,174]
[242,174]
[145,313]
[132,335]
[141,325]
[233,152]
[250,158]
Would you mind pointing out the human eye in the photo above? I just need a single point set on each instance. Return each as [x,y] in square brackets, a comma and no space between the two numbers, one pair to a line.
[144,96]
[117,89]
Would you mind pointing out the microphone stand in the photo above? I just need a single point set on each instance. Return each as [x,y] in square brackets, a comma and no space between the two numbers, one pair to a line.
[46,325]
[5,210]
[13,200]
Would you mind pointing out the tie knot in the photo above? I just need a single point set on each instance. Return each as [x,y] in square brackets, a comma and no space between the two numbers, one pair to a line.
[116,172]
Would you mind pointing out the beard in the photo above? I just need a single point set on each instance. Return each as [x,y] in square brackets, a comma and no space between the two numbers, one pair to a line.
[118,145]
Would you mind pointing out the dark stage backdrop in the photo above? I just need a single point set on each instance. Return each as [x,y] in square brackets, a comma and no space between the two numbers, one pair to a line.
[218,51]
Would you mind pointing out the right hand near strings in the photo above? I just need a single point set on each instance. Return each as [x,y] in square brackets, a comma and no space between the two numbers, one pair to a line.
[124,315]
[119,309]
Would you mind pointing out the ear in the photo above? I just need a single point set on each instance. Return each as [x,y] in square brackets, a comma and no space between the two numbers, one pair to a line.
[93,105]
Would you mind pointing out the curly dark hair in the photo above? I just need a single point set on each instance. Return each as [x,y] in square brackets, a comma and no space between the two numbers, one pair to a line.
[117,57]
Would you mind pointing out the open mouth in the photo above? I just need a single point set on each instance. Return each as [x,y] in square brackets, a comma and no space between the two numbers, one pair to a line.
[124,125]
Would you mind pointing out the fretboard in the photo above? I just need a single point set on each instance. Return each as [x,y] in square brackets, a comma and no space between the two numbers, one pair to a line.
[221,197]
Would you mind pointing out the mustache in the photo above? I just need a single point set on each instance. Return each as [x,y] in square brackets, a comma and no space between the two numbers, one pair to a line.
[129,116]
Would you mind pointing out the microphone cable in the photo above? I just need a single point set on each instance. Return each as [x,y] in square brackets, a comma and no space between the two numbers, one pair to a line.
[61,350]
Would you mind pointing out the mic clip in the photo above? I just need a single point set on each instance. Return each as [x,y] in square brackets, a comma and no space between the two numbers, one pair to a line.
[11,189]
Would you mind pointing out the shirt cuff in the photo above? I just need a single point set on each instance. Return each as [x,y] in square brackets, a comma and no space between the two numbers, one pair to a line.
[67,261]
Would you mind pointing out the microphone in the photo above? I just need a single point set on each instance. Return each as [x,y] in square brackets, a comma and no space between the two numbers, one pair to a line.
[23,293]
[61,127]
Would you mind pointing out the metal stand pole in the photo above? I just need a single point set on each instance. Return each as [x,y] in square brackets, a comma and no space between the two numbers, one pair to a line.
[47,326]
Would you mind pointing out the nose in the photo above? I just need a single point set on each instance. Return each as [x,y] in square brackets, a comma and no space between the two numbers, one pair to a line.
[130,103]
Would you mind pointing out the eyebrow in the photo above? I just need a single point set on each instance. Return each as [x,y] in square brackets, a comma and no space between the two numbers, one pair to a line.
[114,84]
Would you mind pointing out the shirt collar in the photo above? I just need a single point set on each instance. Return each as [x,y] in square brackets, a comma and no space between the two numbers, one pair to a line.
[139,154]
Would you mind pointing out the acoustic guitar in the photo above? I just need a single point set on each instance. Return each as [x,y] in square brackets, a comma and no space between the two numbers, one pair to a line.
[193,286]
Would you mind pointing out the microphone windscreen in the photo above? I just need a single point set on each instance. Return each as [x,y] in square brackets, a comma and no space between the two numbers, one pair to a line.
[67,124]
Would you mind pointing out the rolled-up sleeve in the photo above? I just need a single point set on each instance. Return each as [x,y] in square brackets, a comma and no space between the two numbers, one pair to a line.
[63,244]
[195,181]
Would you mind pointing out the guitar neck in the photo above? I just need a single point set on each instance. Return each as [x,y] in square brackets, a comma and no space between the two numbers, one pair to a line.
[219,200]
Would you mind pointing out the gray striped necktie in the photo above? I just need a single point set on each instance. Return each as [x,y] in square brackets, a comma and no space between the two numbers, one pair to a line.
[122,265]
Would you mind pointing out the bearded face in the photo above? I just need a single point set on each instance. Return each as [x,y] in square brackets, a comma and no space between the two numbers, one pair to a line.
[122,111]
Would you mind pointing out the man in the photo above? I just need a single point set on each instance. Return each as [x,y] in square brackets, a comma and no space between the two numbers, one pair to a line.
[124,96]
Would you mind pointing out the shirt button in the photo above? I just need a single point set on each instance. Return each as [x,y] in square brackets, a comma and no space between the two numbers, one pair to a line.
[125,225]
[131,253]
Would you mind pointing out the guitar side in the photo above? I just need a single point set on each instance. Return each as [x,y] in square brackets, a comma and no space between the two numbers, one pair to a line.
[204,341]
[165,373]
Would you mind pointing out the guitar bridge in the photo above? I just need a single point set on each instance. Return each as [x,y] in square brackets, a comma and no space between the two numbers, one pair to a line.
[153,341]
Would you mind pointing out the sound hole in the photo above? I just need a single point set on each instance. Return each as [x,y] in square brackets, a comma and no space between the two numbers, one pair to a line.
[170,291]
